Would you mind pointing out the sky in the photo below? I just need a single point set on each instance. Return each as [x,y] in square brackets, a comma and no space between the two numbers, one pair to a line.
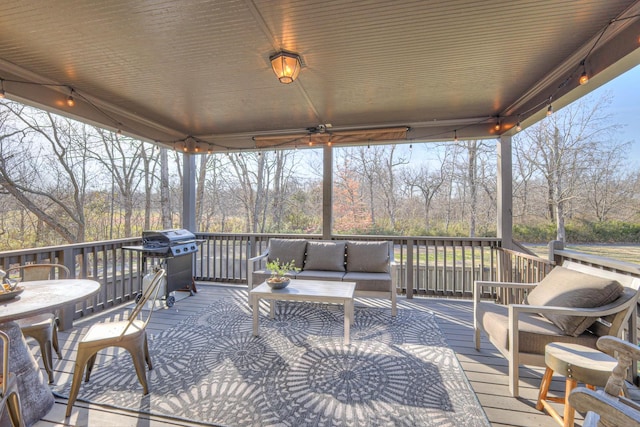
[625,107]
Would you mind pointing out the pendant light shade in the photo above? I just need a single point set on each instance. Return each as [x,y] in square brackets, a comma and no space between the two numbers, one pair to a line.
[286,65]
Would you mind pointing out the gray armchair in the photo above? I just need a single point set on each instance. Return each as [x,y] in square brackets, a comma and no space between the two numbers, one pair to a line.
[575,303]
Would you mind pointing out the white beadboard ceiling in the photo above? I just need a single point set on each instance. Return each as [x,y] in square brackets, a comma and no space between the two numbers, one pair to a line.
[166,70]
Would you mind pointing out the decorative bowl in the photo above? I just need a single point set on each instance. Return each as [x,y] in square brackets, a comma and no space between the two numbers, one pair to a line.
[278,284]
[7,295]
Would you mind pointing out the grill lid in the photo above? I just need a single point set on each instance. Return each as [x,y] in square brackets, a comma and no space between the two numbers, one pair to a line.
[169,237]
[172,241]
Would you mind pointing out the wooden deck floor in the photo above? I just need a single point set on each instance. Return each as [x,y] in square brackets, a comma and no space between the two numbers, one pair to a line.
[486,370]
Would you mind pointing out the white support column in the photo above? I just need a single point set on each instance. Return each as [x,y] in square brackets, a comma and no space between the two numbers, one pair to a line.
[189,193]
[505,191]
[327,192]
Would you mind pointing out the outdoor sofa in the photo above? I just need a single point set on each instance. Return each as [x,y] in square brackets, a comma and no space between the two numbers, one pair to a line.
[369,264]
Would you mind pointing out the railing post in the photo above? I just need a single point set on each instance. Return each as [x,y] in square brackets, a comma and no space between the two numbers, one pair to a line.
[409,269]
[555,245]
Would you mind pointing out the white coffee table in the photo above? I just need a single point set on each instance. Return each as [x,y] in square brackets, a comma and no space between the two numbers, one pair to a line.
[310,291]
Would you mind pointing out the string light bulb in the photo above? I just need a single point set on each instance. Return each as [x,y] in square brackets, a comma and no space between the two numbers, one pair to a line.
[70,101]
[584,77]
[2,94]
[455,135]
[550,110]
[497,126]
[518,126]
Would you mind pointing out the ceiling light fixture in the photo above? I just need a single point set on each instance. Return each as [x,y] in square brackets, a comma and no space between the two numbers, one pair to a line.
[286,65]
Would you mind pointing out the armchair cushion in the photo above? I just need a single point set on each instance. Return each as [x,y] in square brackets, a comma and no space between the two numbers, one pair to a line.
[563,287]
[325,256]
[534,331]
[287,250]
[370,257]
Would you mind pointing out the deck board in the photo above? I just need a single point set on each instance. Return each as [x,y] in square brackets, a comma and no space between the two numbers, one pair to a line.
[485,369]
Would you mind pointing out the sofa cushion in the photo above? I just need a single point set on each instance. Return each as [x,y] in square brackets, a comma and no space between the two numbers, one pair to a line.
[377,282]
[326,256]
[569,288]
[333,276]
[370,257]
[287,250]
[534,331]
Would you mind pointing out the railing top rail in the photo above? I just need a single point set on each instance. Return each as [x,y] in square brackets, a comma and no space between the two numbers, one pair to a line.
[59,248]
[609,263]
[355,237]
[527,256]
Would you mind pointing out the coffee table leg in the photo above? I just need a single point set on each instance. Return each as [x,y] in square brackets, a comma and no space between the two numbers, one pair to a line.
[272,309]
[254,300]
[348,319]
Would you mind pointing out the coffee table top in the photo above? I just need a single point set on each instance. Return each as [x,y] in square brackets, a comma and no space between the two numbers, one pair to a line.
[311,289]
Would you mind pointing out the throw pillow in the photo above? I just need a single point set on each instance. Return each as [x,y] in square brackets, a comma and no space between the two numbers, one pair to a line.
[569,288]
[287,250]
[327,256]
[368,257]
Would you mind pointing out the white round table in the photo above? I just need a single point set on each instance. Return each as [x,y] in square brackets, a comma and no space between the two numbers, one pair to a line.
[42,296]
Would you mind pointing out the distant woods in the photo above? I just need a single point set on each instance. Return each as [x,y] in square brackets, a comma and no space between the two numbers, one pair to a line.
[62,181]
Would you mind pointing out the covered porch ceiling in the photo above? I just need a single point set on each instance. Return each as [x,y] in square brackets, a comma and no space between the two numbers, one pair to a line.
[198,71]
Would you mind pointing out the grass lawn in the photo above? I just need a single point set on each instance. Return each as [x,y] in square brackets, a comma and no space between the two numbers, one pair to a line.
[629,253]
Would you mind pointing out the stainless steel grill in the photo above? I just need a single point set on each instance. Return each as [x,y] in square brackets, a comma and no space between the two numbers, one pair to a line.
[175,249]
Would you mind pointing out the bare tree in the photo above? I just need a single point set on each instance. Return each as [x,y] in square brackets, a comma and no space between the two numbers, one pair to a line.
[428,183]
[561,147]
[43,165]
[122,158]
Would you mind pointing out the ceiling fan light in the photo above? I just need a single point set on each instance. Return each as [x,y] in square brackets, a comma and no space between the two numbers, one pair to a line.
[286,66]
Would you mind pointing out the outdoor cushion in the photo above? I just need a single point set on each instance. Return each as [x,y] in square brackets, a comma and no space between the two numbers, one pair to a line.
[370,257]
[563,287]
[534,331]
[377,282]
[333,276]
[287,250]
[327,256]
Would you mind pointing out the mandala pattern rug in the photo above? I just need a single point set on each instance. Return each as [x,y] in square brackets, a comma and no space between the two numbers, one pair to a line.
[211,369]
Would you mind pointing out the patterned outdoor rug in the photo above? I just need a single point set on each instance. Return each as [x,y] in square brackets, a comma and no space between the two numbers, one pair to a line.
[209,368]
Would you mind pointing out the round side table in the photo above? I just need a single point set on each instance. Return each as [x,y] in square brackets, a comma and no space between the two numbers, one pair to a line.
[578,364]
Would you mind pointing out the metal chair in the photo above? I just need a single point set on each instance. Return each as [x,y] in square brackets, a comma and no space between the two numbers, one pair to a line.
[41,327]
[129,334]
[9,392]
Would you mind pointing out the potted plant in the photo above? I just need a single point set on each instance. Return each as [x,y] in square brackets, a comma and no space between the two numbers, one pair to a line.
[278,271]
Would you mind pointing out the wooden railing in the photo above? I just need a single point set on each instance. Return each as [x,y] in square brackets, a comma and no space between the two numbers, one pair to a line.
[437,266]
[117,270]
[427,266]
